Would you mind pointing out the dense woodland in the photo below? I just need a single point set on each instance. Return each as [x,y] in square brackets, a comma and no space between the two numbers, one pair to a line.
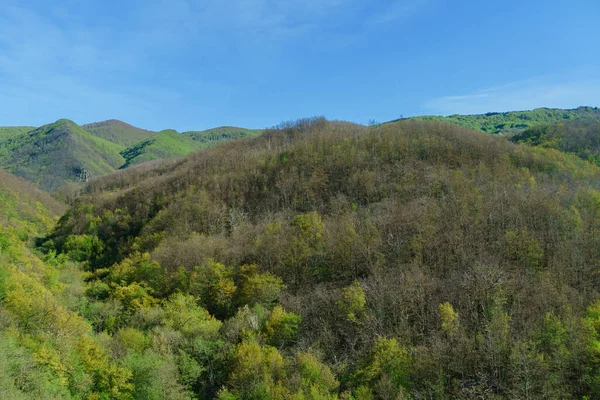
[579,137]
[321,260]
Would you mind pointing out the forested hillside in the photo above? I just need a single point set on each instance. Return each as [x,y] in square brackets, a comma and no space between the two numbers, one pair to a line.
[328,260]
[10,131]
[56,153]
[118,132]
[579,137]
[61,156]
[47,349]
[509,123]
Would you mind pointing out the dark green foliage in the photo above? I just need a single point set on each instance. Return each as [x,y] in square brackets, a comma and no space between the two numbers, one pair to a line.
[508,123]
[579,137]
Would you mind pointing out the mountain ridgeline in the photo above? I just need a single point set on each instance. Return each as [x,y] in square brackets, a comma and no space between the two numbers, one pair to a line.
[328,260]
[510,123]
[63,153]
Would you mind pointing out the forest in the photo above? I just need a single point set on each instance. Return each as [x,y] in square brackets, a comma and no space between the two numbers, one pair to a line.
[320,260]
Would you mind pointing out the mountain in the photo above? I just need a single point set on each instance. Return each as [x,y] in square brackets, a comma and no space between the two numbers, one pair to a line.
[63,153]
[579,137]
[171,144]
[56,153]
[330,260]
[118,132]
[508,123]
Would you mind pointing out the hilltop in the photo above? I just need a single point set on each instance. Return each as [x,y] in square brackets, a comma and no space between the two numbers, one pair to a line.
[508,123]
[63,153]
[59,152]
[171,144]
[118,132]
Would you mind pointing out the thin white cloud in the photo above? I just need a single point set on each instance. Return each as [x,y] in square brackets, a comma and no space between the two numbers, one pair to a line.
[567,91]
[398,10]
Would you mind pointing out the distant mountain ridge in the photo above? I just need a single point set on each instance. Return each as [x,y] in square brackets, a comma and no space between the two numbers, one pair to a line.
[66,153]
[118,132]
[63,152]
[171,144]
[55,153]
[512,122]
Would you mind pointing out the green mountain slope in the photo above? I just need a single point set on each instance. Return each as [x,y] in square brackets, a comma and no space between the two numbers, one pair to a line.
[171,144]
[57,153]
[579,137]
[10,131]
[330,260]
[508,123]
[25,208]
[213,136]
[117,132]
[47,348]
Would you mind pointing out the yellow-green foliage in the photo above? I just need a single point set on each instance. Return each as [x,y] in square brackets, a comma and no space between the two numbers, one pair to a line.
[58,340]
[259,287]
[281,327]
[449,318]
[214,284]
[109,380]
[258,371]
[183,314]
[317,381]
[353,302]
[387,366]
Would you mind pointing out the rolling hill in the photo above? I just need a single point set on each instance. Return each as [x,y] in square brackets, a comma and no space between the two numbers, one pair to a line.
[63,153]
[171,144]
[117,132]
[508,123]
[56,153]
[329,260]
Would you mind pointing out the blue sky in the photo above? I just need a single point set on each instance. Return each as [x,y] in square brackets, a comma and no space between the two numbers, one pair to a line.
[195,64]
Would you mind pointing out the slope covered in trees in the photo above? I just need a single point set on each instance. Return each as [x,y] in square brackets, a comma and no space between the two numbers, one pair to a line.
[47,349]
[579,137]
[117,132]
[10,131]
[329,260]
[171,144]
[508,123]
[64,154]
[59,152]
